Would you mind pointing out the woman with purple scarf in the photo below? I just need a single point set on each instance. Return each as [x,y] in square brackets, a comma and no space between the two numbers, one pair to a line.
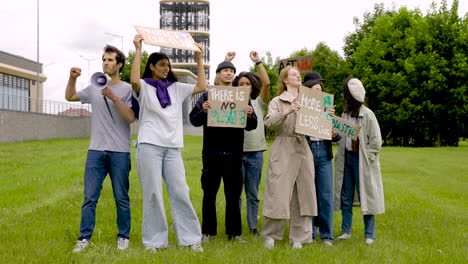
[158,156]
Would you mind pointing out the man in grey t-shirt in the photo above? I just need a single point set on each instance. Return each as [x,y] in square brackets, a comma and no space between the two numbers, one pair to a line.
[109,150]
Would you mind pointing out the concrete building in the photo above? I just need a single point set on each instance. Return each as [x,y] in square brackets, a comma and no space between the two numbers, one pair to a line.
[19,90]
[192,17]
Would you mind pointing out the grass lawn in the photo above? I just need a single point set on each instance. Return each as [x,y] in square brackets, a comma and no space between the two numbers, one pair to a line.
[41,192]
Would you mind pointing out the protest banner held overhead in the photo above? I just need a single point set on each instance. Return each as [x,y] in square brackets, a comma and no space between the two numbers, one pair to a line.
[303,64]
[167,38]
[312,118]
[228,106]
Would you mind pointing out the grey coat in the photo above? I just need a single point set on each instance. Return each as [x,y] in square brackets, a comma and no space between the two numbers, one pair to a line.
[370,179]
[291,162]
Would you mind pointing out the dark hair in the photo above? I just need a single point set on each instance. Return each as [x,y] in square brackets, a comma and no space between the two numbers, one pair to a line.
[255,82]
[311,83]
[119,56]
[351,105]
[152,60]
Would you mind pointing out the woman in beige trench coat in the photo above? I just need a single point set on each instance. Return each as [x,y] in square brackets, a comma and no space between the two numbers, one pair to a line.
[357,167]
[289,188]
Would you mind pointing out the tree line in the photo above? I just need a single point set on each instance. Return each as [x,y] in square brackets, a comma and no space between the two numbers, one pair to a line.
[414,67]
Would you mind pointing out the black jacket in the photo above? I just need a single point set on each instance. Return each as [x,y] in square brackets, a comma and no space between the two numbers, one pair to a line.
[220,140]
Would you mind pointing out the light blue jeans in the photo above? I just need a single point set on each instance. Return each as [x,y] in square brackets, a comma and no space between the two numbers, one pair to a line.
[351,181]
[154,164]
[252,164]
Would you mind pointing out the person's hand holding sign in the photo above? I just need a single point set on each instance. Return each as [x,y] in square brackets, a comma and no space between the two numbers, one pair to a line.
[199,54]
[137,41]
[206,105]
[248,110]
[295,106]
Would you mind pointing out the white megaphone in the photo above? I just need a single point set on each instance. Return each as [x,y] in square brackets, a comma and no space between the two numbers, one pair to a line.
[100,80]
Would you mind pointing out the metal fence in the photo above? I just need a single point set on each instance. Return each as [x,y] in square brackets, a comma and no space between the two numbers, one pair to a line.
[34,105]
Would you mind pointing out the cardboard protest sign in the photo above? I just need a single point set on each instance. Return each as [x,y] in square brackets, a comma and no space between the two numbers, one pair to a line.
[167,38]
[303,64]
[312,118]
[227,106]
[345,128]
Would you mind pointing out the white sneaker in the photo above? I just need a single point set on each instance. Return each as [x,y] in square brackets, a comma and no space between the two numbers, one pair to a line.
[196,247]
[345,236]
[122,243]
[369,241]
[327,242]
[81,245]
[297,245]
[152,249]
[206,238]
[269,242]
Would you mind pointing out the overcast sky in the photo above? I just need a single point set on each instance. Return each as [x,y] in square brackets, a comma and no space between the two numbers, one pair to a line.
[71,29]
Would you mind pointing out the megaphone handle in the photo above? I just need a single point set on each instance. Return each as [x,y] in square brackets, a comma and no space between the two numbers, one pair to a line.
[108,108]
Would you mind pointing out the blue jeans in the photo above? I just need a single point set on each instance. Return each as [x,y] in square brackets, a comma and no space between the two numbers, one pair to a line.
[98,165]
[350,182]
[324,189]
[155,164]
[252,165]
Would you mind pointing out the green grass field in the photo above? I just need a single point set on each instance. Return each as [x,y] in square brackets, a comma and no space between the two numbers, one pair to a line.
[41,191]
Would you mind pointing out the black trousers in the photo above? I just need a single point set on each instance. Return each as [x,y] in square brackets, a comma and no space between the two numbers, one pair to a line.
[227,167]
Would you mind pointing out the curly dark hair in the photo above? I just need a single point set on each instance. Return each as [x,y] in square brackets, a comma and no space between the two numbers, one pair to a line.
[351,105]
[255,82]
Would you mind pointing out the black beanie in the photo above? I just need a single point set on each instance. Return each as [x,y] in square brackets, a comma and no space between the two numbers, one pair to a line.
[224,65]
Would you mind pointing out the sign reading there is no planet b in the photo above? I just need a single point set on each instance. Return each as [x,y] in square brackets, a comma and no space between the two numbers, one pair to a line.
[228,106]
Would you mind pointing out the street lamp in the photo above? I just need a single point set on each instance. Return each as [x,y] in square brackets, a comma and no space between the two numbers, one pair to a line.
[118,36]
[89,63]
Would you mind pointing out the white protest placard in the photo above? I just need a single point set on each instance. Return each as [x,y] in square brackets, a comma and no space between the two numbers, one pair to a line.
[345,128]
[227,106]
[312,118]
[167,38]
[303,64]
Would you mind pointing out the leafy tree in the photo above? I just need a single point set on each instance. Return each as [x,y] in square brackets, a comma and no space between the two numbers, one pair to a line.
[125,74]
[415,71]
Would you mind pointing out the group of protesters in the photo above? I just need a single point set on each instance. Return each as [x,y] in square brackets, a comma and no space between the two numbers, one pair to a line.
[299,185]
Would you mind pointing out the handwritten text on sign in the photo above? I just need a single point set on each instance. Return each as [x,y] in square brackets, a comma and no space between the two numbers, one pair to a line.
[345,128]
[312,118]
[303,64]
[228,106]
[167,38]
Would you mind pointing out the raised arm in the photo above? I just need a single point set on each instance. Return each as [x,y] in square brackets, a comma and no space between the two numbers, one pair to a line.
[201,80]
[230,56]
[135,72]
[265,92]
[70,91]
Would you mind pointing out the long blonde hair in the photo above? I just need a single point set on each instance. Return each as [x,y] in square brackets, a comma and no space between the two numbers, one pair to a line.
[284,74]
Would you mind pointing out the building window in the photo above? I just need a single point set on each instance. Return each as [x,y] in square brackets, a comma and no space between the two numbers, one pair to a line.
[14,93]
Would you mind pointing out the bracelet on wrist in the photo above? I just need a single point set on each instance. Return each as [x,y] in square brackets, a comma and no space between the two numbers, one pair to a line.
[258,62]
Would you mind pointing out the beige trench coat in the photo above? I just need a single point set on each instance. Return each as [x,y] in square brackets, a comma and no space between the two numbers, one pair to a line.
[291,162]
[370,179]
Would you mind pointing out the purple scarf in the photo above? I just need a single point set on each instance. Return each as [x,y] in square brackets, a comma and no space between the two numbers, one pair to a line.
[161,90]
